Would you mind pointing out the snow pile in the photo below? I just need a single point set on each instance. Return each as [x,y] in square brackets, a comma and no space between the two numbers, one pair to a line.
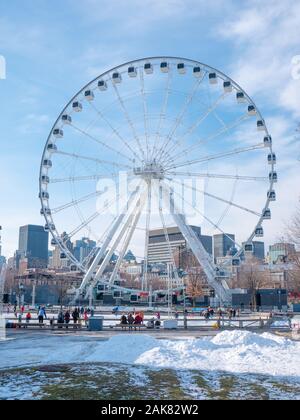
[230,351]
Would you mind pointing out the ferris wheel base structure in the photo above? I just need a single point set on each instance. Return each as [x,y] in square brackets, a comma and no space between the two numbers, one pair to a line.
[94,275]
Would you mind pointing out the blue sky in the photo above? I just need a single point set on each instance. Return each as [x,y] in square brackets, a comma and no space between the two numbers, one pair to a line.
[53,48]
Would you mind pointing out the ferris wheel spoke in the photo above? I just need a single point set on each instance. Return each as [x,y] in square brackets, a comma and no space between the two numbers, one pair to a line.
[145,110]
[147,231]
[216,226]
[181,115]
[75,202]
[95,177]
[129,121]
[200,142]
[84,224]
[95,139]
[115,131]
[215,197]
[92,159]
[193,127]
[220,176]
[162,116]
[233,152]
[94,216]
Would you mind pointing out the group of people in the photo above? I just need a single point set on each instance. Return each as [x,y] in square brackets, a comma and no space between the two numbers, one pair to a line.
[64,317]
[230,312]
[134,320]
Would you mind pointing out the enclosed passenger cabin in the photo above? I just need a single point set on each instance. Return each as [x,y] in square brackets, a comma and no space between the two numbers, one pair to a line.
[63,256]
[66,119]
[132,71]
[44,195]
[273,177]
[268,141]
[58,133]
[164,67]
[148,68]
[49,227]
[267,214]
[236,262]
[181,68]
[272,159]
[51,147]
[259,232]
[45,179]
[261,125]
[252,110]
[89,95]
[77,106]
[47,163]
[116,77]
[102,85]
[227,86]
[271,195]
[53,242]
[213,79]
[240,97]
[248,247]
[197,71]
[134,298]
[45,211]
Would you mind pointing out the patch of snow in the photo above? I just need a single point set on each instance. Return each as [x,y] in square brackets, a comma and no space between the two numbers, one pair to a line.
[229,351]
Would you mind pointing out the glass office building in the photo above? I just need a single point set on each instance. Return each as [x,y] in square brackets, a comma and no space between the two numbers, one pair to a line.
[33,245]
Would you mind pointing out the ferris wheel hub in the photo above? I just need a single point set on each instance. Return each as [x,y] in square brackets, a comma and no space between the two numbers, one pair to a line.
[150,170]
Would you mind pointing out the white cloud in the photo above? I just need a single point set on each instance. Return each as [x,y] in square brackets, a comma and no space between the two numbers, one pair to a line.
[267,37]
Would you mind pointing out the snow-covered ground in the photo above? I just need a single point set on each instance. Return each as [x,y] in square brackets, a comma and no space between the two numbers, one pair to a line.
[229,351]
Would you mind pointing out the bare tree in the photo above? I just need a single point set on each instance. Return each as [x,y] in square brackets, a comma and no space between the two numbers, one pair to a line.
[195,282]
[250,277]
[293,236]
[196,279]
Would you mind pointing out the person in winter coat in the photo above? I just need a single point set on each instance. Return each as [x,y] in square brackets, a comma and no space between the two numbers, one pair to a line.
[75,316]
[41,316]
[28,317]
[138,320]
[60,319]
[130,321]
[67,318]
[86,318]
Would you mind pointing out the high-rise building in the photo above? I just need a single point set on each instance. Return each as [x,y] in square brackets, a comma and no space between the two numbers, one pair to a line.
[222,244]
[158,249]
[33,246]
[129,257]
[281,251]
[82,248]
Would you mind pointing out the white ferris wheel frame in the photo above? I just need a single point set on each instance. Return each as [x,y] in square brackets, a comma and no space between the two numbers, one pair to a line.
[139,198]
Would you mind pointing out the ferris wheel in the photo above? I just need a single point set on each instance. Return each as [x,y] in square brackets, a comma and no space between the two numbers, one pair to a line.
[135,149]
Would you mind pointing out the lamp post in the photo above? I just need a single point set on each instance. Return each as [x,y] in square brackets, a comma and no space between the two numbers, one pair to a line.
[21,294]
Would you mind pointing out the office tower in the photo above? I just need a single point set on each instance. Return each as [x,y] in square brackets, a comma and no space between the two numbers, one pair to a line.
[33,245]
[222,244]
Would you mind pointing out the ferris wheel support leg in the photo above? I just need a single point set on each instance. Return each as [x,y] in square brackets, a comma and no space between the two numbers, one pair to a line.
[200,253]
[148,217]
[108,256]
[87,278]
[127,242]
